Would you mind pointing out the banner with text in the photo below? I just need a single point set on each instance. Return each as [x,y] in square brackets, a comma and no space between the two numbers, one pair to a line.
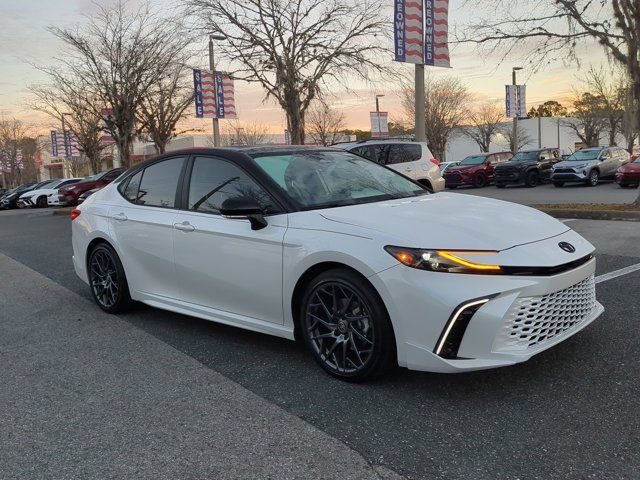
[436,33]
[421,32]
[379,124]
[214,94]
[516,101]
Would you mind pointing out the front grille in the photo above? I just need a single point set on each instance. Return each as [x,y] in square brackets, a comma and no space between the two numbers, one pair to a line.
[563,170]
[453,177]
[532,321]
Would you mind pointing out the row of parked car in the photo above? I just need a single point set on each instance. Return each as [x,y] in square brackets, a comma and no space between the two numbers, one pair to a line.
[533,167]
[56,192]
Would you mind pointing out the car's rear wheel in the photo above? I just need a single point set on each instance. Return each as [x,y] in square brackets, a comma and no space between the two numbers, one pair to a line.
[480,180]
[41,202]
[532,179]
[558,184]
[107,280]
[594,178]
[346,326]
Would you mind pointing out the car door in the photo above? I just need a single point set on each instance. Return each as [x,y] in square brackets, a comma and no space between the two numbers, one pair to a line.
[489,165]
[142,226]
[545,163]
[608,163]
[220,262]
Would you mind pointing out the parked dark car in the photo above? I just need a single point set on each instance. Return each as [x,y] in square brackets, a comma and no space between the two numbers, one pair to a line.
[10,199]
[69,194]
[476,170]
[86,195]
[528,167]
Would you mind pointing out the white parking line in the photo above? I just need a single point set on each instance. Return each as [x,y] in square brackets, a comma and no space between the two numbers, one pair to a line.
[567,220]
[618,273]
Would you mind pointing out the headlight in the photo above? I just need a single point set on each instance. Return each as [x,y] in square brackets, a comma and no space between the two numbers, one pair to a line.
[448,261]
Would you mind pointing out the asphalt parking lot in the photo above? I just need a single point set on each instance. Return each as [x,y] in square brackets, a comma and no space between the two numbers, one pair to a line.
[153,394]
[605,192]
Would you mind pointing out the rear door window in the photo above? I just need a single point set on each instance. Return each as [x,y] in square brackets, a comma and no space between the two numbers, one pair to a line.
[404,152]
[159,183]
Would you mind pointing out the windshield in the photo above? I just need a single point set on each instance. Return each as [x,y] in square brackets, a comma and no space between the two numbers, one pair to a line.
[93,178]
[525,156]
[326,179]
[474,160]
[582,155]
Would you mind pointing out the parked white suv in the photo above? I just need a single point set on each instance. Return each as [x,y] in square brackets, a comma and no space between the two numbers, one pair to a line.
[412,159]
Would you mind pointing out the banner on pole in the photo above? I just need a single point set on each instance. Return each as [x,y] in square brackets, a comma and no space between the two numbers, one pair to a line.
[421,32]
[379,124]
[54,143]
[516,101]
[214,94]
[64,145]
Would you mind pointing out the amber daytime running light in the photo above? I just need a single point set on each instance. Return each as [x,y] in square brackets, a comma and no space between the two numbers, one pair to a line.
[447,261]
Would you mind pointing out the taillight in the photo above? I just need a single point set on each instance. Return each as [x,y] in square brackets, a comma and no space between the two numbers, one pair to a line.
[436,161]
[75,214]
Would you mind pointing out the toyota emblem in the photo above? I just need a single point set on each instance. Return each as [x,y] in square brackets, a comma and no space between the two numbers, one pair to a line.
[567,247]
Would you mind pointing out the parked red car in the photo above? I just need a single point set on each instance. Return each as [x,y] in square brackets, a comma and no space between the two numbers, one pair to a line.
[69,193]
[476,170]
[628,175]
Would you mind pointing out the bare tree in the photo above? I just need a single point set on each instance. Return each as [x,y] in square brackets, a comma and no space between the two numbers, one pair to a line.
[629,123]
[587,120]
[293,47]
[69,96]
[548,30]
[243,133]
[121,53]
[445,107]
[524,139]
[325,124]
[610,92]
[13,135]
[484,125]
[164,105]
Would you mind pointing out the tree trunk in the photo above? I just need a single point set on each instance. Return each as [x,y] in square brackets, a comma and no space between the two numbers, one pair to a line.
[295,120]
[635,75]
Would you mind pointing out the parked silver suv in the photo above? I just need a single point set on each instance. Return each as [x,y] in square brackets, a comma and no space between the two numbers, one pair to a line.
[412,159]
[589,165]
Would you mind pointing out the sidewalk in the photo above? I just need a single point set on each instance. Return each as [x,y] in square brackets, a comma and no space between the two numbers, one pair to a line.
[87,395]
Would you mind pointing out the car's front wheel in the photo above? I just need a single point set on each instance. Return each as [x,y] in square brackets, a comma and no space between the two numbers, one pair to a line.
[594,178]
[41,202]
[532,179]
[107,280]
[346,326]
[558,184]
[480,180]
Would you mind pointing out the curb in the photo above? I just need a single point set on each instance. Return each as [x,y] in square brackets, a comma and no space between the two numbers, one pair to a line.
[593,214]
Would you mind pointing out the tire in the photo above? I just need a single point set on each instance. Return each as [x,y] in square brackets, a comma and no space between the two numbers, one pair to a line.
[532,179]
[558,184]
[501,185]
[594,178]
[103,265]
[452,187]
[346,326]
[41,202]
[480,180]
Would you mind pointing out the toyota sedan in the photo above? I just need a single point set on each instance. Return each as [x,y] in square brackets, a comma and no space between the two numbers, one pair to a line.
[364,265]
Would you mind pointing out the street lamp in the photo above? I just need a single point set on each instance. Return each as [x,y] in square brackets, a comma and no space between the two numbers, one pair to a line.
[212,67]
[514,134]
[378,96]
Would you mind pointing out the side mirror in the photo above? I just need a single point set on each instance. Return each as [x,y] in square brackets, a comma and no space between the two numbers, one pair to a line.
[244,207]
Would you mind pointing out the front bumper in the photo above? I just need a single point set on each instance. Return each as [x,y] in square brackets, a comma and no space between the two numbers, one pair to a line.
[627,178]
[507,177]
[457,180]
[569,177]
[421,305]
[437,184]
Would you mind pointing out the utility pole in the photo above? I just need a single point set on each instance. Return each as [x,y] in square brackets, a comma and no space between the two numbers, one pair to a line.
[64,140]
[514,134]
[420,128]
[212,67]
[378,113]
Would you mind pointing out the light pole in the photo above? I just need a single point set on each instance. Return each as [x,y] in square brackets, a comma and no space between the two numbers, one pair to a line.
[64,139]
[514,134]
[378,96]
[420,127]
[212,67]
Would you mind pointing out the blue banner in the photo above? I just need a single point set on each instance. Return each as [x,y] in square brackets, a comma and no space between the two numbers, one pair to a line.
[197,88]
[54,143]
[67,144]
[399,30]
[219,95]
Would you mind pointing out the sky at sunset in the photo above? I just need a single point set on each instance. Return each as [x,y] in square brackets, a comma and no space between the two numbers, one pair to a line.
[24,41]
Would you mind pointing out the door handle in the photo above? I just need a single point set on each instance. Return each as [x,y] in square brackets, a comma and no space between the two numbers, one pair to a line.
[184,227]
[121,217]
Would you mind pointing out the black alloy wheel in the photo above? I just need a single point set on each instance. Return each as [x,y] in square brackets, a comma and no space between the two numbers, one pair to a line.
[532,179]
[41,202]
[558,184]
[107,280]
[480,180]
[594,178]
[346,326]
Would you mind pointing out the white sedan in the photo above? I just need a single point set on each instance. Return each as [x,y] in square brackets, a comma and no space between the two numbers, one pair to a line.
[45,196]
[365,266]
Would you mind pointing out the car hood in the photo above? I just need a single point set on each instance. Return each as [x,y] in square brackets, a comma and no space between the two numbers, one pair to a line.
[520,164]
[630,167]
[40,191]
[574,163]
[450,221]
[464,168]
